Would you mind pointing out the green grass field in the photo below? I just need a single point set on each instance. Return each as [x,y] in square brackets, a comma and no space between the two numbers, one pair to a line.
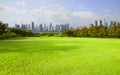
[60,56]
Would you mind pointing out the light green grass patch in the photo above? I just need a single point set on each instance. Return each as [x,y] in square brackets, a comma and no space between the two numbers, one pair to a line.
[60,56]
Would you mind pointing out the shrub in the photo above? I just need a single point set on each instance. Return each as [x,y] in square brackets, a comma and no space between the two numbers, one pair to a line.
[9,35]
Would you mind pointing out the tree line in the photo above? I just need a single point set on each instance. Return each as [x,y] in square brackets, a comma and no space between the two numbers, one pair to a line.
[6,33]
[94,31]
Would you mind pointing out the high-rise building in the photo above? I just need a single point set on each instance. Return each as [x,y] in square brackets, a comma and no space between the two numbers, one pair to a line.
[62,27]
[96,23]
[65,26]
[111,23]
[23,27]
[33,26]
[91,25]
[45,28]
[17,26]
[118,23]
[40,28]
[50,27]
[101,23]
[115,23]
[105,23]
[57,28]
[29,28]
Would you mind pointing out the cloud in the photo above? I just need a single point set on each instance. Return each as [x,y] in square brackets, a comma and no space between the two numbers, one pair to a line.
[21,3]
[6,9]
[61,15]
[56,15]
[83,14]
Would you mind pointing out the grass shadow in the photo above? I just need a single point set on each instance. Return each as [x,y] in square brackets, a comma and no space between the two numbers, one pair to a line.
[49,48]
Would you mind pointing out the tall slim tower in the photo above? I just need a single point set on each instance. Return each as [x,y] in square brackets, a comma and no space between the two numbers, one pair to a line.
[96,23]
[115,23]
[101,23]
[33,26]
[40,28]
[50,27]
[105,23]
[111,23]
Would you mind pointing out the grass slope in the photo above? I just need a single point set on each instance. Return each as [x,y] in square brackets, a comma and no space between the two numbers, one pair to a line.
[60,56]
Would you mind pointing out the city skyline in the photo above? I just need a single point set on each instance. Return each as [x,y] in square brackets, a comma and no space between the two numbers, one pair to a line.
[75,12]
[41,27]
[59,27]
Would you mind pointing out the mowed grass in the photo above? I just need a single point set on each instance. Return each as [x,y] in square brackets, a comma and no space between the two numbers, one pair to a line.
[60,56]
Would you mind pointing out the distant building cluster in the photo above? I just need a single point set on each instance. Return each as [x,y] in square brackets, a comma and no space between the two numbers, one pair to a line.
[59,27]
[104,23]
[42,27]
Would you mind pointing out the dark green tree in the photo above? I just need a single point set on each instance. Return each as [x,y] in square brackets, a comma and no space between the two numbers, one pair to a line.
[2,28]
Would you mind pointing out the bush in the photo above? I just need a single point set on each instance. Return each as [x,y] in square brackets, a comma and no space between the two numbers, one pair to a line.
[1,37]
[9,35]
[48,34]
[37,34]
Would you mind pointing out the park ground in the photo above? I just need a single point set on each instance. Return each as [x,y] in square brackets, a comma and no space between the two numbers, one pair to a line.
[60,56]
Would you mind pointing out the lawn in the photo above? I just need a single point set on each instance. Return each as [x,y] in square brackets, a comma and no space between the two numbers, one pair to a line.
[60,56]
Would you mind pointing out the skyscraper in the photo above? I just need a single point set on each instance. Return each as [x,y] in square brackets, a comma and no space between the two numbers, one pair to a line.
[105,23]
[64,26]
[40,28]
[50,27]
[67,26]
[91,25]
[33,26]
[17,26]
[118,23]
[96,23]
[45,28]
[57,28]
[23,27]
[111,23]
[115,23]
[101,23]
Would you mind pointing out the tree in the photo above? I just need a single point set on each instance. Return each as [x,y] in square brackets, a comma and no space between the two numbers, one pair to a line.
[2,28]
[112,31]
[84,32]
[93,31]
[22,33]
[9,35]
[67,33]
[102,31]
[118,31]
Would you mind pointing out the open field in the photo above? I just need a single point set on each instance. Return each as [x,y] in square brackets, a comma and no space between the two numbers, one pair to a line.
[60,56]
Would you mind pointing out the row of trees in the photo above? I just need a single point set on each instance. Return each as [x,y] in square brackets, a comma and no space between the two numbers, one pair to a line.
[94,31]
[6,33]
[12,32]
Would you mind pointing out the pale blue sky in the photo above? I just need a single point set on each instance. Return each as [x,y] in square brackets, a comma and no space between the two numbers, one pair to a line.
[75,12]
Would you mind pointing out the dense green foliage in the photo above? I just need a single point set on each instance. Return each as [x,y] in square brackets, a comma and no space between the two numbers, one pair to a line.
[9,35]
[48,34]
[6,33]
[2,28]
[94,31]
[22,33]
[60,56]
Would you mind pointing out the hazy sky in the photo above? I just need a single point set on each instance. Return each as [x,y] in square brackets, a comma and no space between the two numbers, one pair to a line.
[74,12]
